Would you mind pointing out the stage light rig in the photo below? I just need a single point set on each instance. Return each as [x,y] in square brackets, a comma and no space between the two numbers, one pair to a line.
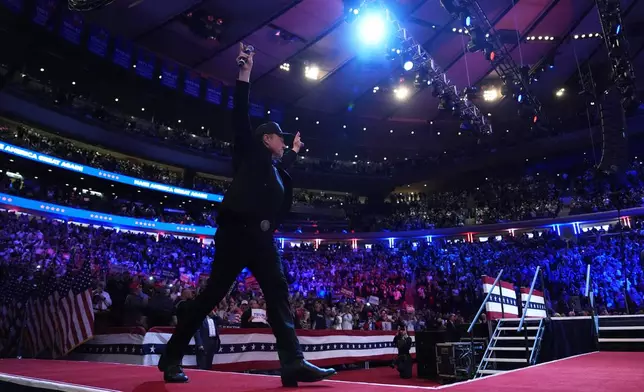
[622,75]
[485,38]
[424,70]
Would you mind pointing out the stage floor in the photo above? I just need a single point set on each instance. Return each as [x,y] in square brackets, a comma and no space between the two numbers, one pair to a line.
[597,372]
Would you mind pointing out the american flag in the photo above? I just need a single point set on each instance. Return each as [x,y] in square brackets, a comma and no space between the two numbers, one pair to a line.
[14,293]
[41,317]
[74,315]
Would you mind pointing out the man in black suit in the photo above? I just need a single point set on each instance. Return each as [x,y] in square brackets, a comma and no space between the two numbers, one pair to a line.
[403,361]
[207,341]
[259,196]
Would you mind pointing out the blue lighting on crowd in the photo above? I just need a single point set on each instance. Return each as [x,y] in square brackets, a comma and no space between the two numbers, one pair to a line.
[372,28]
[106,175]
[99,218]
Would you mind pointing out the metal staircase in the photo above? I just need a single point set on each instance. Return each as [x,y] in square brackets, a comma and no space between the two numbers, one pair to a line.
[621,333]
[511,349]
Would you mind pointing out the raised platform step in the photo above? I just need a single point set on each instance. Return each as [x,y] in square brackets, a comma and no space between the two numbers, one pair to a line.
[515,329]
[515,338]
[507,360]
[526,320]
[624,328]
[490,371]
[621,340]
[510,348]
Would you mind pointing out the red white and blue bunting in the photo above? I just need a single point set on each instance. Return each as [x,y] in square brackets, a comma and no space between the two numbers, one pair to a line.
[245,349]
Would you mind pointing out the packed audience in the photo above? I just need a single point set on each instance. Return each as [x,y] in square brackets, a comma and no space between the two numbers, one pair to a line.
[503,200]
[87,198]
[539,195]
[334,286]
[37,141]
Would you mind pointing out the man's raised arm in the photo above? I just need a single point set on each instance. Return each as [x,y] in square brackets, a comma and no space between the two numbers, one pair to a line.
[290,155]
[243,133]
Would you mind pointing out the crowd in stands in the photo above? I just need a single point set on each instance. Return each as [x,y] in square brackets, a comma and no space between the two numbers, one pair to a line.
[198,139]
[503,200]
[540,195]
[87,198]
[333,286]
[32,139]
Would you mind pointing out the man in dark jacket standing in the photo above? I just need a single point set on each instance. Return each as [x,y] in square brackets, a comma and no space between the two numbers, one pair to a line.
[259,196]
[207,341]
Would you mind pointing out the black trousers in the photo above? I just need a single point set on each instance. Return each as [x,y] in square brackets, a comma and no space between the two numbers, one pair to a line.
[405,365]
[205,356]
[240,245]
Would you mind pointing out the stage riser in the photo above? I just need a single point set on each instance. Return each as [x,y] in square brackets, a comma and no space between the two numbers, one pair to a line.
[621,321]
[630,347]
[624,327]
[621,334]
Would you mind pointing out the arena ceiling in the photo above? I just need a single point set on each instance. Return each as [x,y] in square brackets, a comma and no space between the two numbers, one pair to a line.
[318,34]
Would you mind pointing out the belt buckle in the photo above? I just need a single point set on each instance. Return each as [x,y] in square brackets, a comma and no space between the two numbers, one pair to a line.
[265,225]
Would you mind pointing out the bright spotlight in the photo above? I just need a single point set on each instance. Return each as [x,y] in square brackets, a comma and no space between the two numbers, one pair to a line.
[560,92]
[312,72]
[401,92]
[372,29]
[468,21]
[491,94]
[408,65]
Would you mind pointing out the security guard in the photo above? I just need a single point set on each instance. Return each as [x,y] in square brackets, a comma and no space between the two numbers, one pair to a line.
[260,194]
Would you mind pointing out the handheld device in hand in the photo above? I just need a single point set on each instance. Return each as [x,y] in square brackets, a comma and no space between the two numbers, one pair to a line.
[248,49]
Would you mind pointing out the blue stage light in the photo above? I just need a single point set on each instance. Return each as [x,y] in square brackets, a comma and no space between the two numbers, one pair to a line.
[408,65]
[468,21]
[618,29]
[372,29]
[520,98]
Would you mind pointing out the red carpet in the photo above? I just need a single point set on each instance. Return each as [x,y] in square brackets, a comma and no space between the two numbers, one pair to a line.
[598,372]
[383,375]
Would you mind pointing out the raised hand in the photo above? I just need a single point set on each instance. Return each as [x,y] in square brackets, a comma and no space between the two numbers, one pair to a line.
[248,59]
[297,143]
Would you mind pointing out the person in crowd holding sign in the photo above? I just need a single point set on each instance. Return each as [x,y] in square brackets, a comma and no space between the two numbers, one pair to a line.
[259,196]
[254,316]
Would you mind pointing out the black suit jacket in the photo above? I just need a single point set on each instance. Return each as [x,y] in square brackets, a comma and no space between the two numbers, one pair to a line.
[261,188]
[203,334]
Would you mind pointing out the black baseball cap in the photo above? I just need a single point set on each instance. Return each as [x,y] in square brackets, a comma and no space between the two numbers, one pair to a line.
[271,127]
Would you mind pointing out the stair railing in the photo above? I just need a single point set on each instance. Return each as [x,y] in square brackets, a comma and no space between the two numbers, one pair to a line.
[591,298]
[470,330]
[525,312]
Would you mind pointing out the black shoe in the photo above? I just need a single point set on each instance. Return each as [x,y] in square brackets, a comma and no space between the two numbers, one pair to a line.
[303,371]
[171,372]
